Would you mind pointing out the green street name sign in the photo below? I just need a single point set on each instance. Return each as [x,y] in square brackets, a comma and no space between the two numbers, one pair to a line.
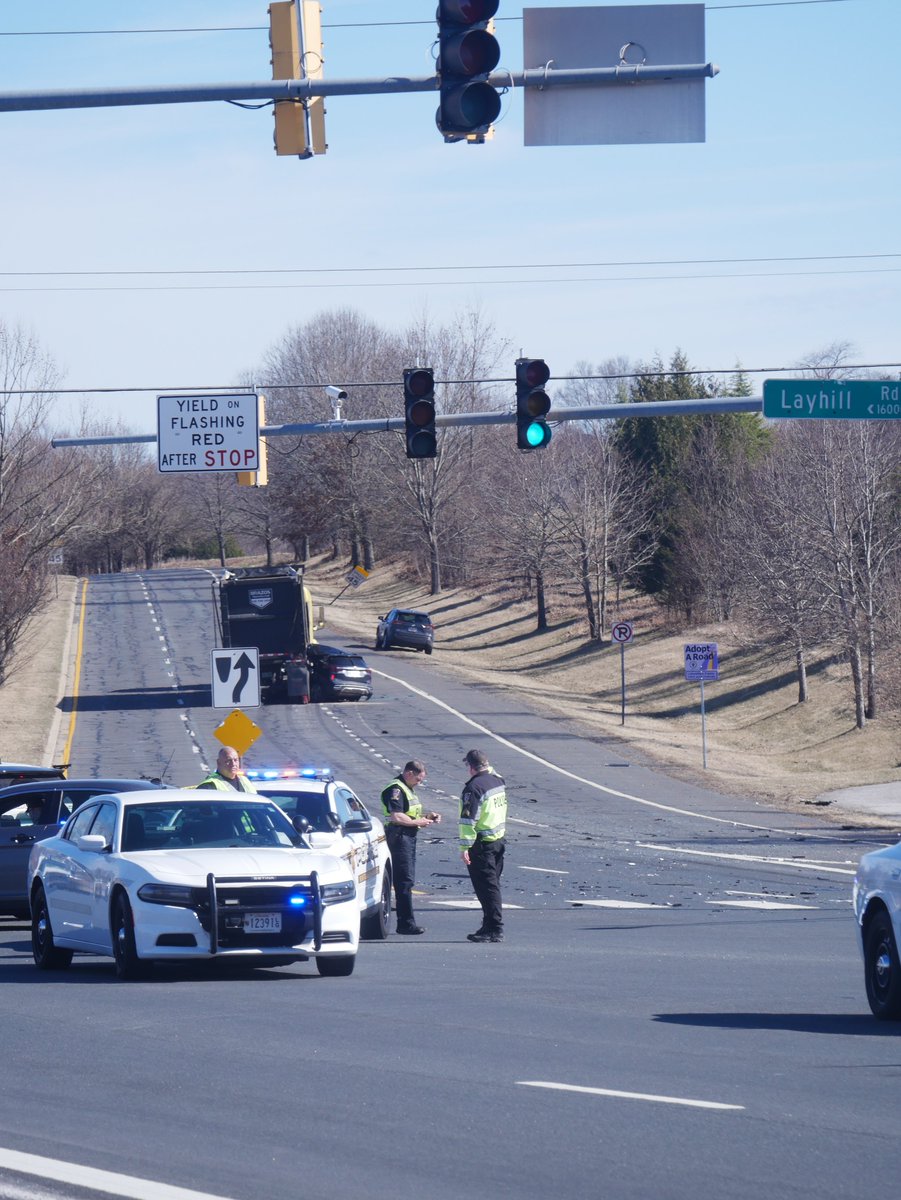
[850,399]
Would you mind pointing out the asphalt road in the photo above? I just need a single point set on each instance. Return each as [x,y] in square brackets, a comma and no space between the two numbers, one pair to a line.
[678,1010]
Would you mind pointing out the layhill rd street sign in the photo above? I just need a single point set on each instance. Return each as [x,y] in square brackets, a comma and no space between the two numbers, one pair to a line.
[844,399]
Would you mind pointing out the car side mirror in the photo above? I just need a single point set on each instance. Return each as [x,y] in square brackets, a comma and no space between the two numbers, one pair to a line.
[358,825]
[91,841]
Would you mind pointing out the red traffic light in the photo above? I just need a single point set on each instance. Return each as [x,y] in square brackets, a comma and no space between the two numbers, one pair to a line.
[419,383]
[533,371]
[467,12]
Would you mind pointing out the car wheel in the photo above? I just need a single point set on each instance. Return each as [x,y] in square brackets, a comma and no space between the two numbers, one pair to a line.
[375,927]
[128,965]
[428,649]
[47,955]
[378,642]
[386,643]
[341,964]
[883,971]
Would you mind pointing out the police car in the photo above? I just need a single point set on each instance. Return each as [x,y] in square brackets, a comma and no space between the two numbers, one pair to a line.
[877,906]
[340,825]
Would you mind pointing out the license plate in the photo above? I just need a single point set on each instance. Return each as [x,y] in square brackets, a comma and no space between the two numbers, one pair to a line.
[263,922]
[354,673]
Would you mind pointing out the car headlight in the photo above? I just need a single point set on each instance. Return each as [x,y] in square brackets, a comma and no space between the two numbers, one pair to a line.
[167,893]
[337,893]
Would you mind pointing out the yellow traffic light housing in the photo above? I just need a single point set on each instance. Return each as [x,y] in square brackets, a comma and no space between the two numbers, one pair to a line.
[297,54]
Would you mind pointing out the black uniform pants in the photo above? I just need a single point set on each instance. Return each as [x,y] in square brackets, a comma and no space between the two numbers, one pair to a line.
[402,847]
[486,865]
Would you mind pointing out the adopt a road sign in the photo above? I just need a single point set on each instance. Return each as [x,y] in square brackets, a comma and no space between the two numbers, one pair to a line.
[236,677]
[701,661]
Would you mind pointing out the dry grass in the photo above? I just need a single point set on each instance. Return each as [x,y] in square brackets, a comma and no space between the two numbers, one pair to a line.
[760,741]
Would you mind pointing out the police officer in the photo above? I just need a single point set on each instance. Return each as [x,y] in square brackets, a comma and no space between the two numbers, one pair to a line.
[403,818]
[483,816]
[227,775]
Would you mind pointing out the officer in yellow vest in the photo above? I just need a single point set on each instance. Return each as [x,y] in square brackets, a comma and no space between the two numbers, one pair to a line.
[227,777]
[483,818]
[403,817]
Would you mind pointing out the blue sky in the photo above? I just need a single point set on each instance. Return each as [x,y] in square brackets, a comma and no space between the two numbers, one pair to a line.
[801,162]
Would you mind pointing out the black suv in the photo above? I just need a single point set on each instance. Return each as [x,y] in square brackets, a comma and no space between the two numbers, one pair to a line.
[405,627]
[11,773]
[337,674]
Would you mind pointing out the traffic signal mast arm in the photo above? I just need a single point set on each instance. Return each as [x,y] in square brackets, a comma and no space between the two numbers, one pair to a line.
[303,89]
[602,412]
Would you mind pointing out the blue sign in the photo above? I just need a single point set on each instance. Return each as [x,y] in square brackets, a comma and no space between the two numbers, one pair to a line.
[701,662]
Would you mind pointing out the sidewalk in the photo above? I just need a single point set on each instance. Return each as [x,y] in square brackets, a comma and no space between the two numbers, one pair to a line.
[881,800]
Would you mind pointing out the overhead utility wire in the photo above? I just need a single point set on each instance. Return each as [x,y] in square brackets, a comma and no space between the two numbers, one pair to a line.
[250,287]
[343,25]
[555,266]
[226,387]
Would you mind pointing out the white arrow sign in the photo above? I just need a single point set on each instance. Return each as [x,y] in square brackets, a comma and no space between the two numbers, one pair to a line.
[236,677]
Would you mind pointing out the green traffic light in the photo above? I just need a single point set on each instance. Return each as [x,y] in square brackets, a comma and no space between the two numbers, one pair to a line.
[538,434]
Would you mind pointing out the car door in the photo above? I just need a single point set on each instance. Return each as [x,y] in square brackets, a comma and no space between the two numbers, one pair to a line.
[101,866]
[361,846]
[19,830]
[68,880]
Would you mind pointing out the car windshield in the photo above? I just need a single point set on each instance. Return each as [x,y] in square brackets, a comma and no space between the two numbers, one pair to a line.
[313,806]
[205,825]
[409,618]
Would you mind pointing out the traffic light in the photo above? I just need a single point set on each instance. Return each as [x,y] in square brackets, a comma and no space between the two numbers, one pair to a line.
[299,125]
[532,403]
[419,412]
[467,54]
[258,478]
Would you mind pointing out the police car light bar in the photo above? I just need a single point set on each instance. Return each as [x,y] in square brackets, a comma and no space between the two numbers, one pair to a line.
[267,773]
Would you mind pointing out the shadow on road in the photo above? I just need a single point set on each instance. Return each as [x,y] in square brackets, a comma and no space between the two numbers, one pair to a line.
[840,1023]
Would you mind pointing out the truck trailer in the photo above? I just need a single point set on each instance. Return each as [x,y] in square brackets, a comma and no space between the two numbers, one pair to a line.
[272,609]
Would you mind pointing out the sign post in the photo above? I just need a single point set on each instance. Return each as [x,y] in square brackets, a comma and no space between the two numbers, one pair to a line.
[701,663]
[623,633]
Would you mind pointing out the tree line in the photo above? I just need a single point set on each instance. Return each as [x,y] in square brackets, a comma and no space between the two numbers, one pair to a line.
[789,531]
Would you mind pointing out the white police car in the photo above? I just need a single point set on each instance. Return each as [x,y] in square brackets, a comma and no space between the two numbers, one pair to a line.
[340,824]
[170,875]
[877,906]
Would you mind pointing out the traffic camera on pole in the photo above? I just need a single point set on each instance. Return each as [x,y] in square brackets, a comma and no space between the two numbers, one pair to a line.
[419,412]
[532,403]
[467,54]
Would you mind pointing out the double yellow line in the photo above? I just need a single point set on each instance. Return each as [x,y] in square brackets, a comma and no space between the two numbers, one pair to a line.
[79,650]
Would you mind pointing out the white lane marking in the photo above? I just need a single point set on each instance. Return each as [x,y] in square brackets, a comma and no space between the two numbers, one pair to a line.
[543,870]
[682,812]
[531,824]
[614,904]
[812,865]
[759,904]
[463,903]
[759,895]
[110,1182]
[594,1091]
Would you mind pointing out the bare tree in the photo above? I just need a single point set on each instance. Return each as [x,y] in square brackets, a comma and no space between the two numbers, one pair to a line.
[607,520]
[43,492]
